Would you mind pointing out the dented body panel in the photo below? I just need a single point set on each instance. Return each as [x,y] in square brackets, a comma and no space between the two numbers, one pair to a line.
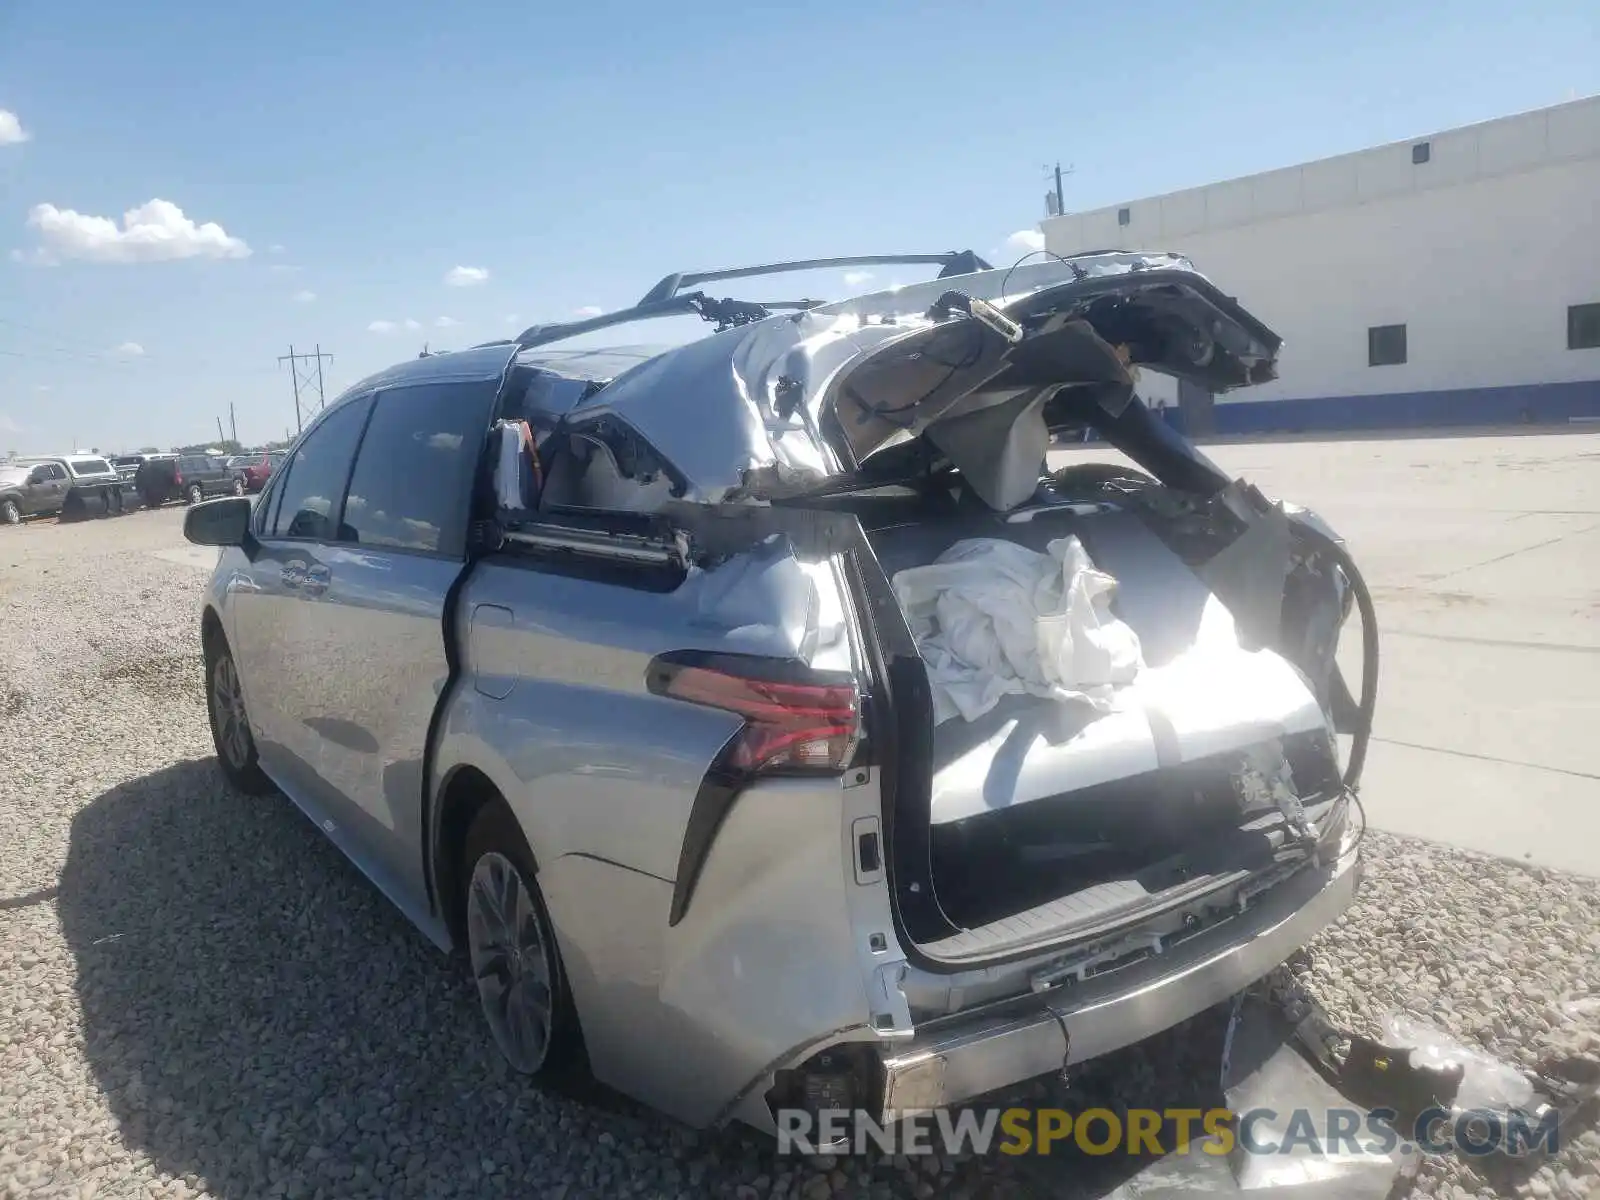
[712,512]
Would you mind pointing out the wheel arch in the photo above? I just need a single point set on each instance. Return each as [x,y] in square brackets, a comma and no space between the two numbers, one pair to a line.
[465,789]
[211,626]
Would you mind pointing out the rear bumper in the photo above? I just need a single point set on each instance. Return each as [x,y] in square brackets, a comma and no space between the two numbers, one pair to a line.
[957,1058]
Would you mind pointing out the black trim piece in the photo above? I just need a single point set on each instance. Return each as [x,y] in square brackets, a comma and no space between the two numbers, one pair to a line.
[901,728]
[712,803]
[868,854]
[430,744]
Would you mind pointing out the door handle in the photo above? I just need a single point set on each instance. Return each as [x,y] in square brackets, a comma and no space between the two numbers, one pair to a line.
[317,578]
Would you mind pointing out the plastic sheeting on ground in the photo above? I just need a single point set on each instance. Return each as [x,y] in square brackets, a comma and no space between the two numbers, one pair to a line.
[992,618]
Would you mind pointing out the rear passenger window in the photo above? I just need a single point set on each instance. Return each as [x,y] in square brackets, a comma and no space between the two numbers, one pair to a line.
[412,485]
[314,477]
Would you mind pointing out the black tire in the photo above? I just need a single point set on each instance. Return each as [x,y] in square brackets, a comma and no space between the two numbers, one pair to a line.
[196,493]
[238,486]
[495,831]
[10,513]
[235,745]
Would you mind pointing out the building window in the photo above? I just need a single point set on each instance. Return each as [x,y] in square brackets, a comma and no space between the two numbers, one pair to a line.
[1421,152]
[1386,345]
[1583,327]
[1123,216]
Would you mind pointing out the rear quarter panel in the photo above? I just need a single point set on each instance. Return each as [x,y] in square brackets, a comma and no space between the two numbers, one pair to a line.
[551,704]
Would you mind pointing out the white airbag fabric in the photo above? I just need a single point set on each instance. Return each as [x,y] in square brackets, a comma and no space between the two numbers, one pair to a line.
[992,618]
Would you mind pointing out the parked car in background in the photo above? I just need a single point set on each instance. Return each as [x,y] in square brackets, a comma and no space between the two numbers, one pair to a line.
[90,487]
[637,712]
[256,469]
[127,465]
[31,489]
[188,477]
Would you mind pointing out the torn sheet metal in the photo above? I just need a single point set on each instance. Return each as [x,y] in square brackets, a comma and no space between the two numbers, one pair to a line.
[1268,1085]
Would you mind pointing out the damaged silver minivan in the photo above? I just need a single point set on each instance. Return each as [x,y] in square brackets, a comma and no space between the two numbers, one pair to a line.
[599,663]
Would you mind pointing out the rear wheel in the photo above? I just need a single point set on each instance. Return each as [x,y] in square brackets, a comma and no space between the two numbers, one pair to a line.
[196,493]
[522,985]
[230,724]
[10,514]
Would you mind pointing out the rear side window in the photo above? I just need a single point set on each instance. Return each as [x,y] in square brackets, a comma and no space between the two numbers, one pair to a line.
[314,477]
[412,485]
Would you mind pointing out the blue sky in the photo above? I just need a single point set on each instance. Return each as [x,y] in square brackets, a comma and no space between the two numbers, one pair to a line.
[331,165]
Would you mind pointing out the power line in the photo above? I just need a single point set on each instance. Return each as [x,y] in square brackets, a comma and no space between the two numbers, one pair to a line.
[303,379]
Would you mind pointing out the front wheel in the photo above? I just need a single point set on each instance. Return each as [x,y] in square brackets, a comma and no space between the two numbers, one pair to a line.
[230,724]
[522,984]
[10,514]
[196,493]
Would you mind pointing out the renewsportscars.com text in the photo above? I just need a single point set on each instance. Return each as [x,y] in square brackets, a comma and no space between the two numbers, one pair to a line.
[1159,1132]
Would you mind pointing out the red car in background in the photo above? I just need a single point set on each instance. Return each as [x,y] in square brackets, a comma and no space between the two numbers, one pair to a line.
[255,470]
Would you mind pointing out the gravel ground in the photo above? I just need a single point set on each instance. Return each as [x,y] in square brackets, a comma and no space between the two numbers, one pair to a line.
[199,997]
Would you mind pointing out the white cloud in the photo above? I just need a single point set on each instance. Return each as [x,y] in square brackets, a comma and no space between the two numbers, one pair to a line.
[446,322]
[11,131]
[413,323]
[156,231]
[282,269]
[304,296]
[381,327]
[857,278]
[465,276]
[275,248]
[1024,241]
[130,349]
[513,319]
[589,310]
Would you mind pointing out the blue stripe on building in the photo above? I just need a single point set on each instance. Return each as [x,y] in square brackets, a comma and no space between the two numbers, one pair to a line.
[1523,404]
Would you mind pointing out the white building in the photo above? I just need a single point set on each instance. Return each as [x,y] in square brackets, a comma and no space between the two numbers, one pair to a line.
[1452,279]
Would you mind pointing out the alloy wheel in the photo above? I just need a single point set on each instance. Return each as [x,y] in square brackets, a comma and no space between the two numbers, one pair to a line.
[227,706]
[511,962]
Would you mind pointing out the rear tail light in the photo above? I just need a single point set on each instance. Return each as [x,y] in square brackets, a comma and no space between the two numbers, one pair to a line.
[796,721]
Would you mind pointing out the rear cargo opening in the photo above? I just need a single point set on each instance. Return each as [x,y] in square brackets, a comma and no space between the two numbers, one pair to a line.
[1049,822]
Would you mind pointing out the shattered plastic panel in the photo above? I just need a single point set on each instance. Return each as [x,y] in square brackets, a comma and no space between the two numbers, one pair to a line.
[1270,1082]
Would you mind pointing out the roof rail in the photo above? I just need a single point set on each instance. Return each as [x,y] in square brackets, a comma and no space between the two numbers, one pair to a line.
[668,298]
[954,262]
